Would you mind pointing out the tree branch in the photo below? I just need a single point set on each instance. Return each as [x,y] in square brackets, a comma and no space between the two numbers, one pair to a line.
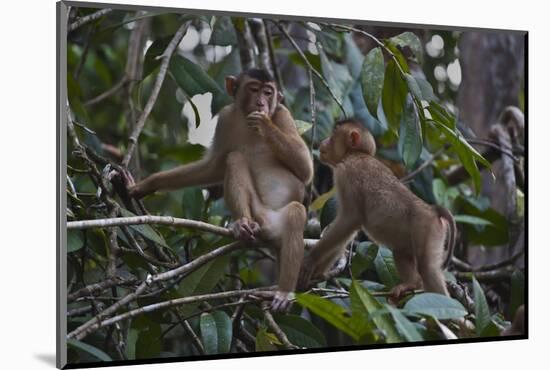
[87,19]
[275,328]
[310,67]
[139,220]
[166,56]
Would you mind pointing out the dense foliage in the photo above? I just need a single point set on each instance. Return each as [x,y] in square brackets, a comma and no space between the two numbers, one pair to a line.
[385,87]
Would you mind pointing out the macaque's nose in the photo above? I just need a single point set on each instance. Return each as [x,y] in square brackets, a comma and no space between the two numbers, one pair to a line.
[260,103]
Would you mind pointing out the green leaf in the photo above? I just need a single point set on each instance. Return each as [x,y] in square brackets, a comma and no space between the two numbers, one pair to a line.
[410,135]
[97,353]
[394,93]
[364,257]
[490,330]
[336,315]
[372,78]
[404,325]
[495,234]
[202,281]
[192,79]
[223,32]
[265,341]
[300,331]
[193,203]
[151,61]
[149,343]
[145,230]
[364,302]
[302,126]
[385,267]
[75,240]
[472,220]
[328,213]
[517,294]
[426,89]
[483,315]
[436,305]
[413,86]
[409,39]
[216,332]
[320,201]
[337,76]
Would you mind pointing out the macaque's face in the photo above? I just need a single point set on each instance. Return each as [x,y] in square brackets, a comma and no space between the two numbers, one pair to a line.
[334,148]
[256,96]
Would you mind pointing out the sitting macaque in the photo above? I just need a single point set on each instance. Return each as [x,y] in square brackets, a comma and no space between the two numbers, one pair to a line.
[264,166]
[371,197]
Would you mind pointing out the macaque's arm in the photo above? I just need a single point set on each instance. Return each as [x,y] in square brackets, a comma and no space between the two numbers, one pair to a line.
[328,249]
[281,134]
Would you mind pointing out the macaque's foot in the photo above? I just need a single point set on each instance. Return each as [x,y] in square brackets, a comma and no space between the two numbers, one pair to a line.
[244,229]
[123,180]
[400,291]
[281,302]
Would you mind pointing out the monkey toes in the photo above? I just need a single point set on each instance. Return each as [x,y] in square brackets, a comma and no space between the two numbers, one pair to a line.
[281,302]
[244,229]
[400,291]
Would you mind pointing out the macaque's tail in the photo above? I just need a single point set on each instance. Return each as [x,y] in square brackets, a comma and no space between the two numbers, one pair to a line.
[451,235]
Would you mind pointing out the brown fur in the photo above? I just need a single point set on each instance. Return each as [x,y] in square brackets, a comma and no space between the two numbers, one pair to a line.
[264,165]
[372,198]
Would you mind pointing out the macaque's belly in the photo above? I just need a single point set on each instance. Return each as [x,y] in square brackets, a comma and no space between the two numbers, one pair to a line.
[275,184]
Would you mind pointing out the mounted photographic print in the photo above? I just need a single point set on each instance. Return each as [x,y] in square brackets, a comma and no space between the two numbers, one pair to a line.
[235,185]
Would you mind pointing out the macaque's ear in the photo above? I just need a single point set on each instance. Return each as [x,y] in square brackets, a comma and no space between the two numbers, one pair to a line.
[355,139]
[280,96]
[231,85]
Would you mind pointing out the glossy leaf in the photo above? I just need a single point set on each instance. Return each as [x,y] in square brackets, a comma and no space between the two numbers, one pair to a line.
[404,325]
[320,201]
[95,352]
[192,79]
[362,298]
[328,212]
[436,305]
[223,32]
[216,332]
[483,315]
[409,39]
[385,267]
[145,230]
[394,93]
[410,135]
[75,240]
[300,331]
[336,315]
[372,78]
[266,341]
[473,220]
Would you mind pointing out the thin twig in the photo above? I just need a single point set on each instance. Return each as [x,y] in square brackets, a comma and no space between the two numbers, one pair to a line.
[166,56]
[98,287]
[420,168]
[313,127]
[274,67]
[89,18]
[104,95]
[310,67]
[166,304]
[276,328]
[139,220]
[84,329]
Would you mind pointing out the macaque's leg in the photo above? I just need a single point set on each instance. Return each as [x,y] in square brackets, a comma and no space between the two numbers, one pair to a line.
[206,171]
[291,253]
[328,249]
[240,196]
[429,265]
[405,262]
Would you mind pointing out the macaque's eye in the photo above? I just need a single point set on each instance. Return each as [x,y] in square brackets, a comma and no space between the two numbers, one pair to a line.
[253,88]
[268,92]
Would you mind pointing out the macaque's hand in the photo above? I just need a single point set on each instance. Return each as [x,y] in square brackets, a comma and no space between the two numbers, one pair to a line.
[122,180]
[244,229]
[281,302]
[257,121]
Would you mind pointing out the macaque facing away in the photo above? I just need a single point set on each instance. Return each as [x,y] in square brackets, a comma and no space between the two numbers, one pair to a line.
[264,165]
[372,198]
